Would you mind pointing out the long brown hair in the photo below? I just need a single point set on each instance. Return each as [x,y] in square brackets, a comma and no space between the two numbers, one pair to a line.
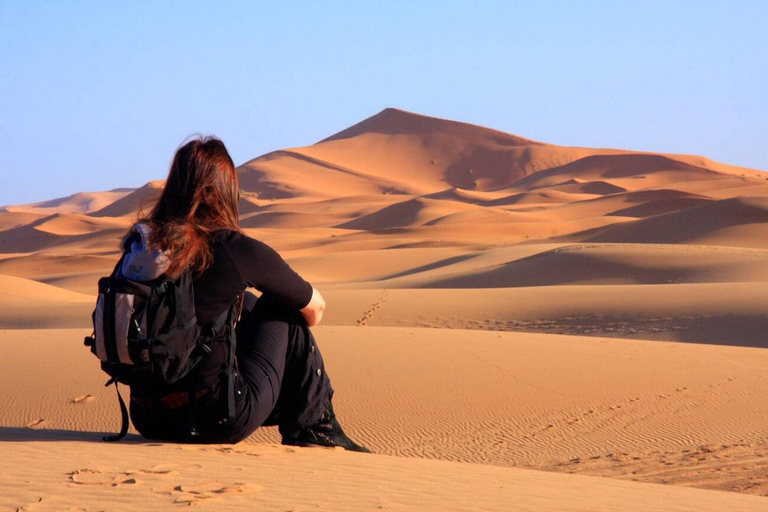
[200,196]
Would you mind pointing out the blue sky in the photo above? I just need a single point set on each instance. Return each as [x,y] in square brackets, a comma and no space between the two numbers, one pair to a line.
[97,95]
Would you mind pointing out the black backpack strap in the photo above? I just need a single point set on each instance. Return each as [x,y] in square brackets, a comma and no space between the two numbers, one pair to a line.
[231,374]
[179,302]
[238,309]
[192,408]
[123,411]
[233,317]
[229,320]
[167,287]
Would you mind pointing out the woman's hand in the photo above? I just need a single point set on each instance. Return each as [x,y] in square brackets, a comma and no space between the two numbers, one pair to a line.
[313,312]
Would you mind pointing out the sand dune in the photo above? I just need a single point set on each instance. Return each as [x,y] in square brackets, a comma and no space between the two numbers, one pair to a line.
[409,213]
[419,159]
[466,196]
[660,206]
[301,175]
[706,223]
[550,196]
[82,202]
[495,304]
[611,166]
[10,219]
[598,187]
[289,220]
[56,233]
[565,264]
[130,204]
[74,224]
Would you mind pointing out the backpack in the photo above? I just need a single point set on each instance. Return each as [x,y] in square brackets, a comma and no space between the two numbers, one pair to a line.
[145,332]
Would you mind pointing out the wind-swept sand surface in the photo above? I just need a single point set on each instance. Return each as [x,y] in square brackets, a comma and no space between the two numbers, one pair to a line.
[499,311]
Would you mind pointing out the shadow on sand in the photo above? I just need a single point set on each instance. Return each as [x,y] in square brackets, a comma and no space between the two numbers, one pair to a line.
[26,434]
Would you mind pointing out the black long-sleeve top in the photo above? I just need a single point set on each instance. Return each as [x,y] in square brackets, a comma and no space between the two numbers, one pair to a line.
[239,262]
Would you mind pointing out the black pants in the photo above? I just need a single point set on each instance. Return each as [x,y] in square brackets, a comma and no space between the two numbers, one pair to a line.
[281,381]
[281,367]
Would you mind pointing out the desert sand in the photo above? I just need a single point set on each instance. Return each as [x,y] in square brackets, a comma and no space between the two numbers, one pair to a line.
[511,325]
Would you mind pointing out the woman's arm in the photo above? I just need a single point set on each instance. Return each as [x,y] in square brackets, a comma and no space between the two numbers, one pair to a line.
[260,267]
[313,312]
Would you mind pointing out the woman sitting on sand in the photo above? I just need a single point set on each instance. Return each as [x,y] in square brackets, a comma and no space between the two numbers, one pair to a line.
[280,378]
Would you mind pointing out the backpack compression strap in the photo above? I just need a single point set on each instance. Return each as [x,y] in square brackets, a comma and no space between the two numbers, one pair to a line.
[123,411]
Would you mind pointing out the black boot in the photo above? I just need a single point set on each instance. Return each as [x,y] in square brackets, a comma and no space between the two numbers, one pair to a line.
[325,432]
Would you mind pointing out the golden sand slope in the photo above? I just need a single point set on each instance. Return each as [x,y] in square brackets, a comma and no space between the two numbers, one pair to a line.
[252,477]
[453,258]
[83,475]
[27,304]
[689,414]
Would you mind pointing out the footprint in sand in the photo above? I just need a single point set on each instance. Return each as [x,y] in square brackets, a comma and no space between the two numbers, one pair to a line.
[168,469]
[88,476]
[368,314]
[189,494]
[36,423]
[44,505]
[83,399]
[121,480]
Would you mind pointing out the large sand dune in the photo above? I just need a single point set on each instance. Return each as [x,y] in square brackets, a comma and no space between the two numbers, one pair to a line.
[454,259]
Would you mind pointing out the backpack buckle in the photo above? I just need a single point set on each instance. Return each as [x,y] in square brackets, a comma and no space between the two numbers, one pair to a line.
[203,345]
